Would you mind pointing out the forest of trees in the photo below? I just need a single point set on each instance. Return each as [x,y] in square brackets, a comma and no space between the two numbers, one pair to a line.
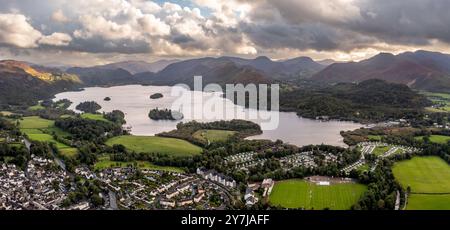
[89,130]
[116,116]
[371,100]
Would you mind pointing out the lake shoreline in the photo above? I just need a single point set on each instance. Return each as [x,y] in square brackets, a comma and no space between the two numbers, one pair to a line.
[134,101]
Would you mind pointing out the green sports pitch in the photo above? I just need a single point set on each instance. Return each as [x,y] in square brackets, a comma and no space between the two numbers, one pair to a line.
[308,195]
[429,180]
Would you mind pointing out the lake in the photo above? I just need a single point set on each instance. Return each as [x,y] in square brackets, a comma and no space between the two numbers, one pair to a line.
[135,102]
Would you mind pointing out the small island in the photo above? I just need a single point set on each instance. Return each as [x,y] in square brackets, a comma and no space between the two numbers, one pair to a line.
[165,114]
[156,96]
[107,99]
[88,107]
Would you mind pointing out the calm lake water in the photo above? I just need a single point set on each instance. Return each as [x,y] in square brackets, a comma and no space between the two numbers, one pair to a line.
[135,102]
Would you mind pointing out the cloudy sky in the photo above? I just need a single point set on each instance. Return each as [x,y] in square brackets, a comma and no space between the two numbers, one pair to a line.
[87,32]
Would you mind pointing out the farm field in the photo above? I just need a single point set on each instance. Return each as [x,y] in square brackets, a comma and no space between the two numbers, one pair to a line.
[39,129]
[429,202]
[151,144]
[307,195]
[91,116]
[429,180]
[36,107]
[438,139]
[105,162]
[374,137]
[213,135]
[440,98]
[35,123]
[424,174]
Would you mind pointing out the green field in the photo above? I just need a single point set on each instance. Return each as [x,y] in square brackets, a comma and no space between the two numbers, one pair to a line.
[213,135]
[105,163]
[380,150]
[303,194]
[36,123]
[424,174]
[363,168]
[36,107]
[39,129]
[374,137]
[428,202]
[17,144]
[96,117]
[438,139]
[429,180]
[144,144]
[66,116]
[441,98]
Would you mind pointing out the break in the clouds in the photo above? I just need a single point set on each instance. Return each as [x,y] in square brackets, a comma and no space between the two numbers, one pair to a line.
[108,30]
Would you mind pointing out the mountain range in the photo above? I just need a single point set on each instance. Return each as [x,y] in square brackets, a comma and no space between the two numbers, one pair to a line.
[135,67]
[420,70]
[220,70]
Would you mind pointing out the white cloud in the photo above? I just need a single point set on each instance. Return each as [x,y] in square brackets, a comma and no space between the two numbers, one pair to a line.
[153,26]
[99,26]
[146,6]
[58,16]
[15,30]
[56,39]
[171,7]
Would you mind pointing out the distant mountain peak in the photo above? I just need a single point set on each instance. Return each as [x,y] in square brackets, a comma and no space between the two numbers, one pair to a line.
[381,56]
[265,58]
[135,67]
[421,70]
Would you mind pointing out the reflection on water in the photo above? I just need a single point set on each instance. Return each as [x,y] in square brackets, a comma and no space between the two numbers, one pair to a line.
[135,102]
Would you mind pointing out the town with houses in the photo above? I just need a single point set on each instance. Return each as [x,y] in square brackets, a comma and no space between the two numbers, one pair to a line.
[45,185]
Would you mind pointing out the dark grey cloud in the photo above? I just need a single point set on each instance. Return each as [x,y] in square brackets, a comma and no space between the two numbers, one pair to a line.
[405,21]
[100,45]
[329,25]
